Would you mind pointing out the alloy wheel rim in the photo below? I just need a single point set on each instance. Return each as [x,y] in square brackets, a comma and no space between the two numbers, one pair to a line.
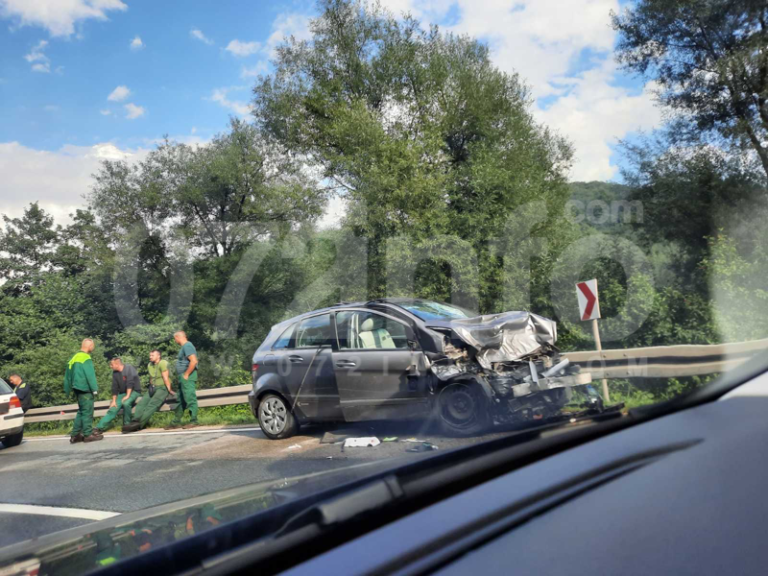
[273,416]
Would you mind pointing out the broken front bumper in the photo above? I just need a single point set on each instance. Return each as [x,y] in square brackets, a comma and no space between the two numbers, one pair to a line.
[526,388]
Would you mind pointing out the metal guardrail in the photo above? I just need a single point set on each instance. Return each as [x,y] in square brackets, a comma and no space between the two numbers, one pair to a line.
[666,361]
[652,362]
[205,399]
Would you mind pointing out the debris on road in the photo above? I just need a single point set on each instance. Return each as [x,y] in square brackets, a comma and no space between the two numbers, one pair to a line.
[370,441]
[294,447]
[423,447]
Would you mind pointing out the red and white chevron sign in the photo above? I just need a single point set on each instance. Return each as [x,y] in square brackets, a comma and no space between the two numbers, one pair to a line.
[589,307]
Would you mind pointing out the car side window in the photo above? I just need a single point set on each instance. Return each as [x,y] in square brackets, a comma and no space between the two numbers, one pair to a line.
[285,338]
[314,332]
[369,331]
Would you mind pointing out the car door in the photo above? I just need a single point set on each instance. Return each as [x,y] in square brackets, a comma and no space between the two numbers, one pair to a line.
[305,367]
[378,367]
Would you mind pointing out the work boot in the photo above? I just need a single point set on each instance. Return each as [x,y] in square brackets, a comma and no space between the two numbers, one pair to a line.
[132,427]
[93,438]
[172,426]
[190,425]
[76,439]
[97,432]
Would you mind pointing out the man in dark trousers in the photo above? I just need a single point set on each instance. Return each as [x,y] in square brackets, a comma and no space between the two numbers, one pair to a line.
[80,380]
[186,368]
[126,390]
[22,390]
[160,379]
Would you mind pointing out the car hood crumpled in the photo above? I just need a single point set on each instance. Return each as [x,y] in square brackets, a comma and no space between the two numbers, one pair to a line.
[505,337]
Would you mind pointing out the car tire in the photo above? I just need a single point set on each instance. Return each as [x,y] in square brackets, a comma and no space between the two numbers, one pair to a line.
[276,417]
[462,409]
[13,440]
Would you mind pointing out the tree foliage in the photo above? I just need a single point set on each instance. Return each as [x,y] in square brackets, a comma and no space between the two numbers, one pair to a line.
[710,61]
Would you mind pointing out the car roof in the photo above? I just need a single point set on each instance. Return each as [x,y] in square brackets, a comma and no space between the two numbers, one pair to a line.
[342,306]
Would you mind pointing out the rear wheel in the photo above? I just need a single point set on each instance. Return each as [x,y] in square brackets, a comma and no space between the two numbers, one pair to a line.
[462,409]
[13,440]
[275,418]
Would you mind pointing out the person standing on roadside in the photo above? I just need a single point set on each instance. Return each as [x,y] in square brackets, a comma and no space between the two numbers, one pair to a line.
[22,391]
[158,390]
[80,380]
[126,390]
[186,367]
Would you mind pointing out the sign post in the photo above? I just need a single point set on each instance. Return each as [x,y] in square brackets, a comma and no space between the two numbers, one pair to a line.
[589,309]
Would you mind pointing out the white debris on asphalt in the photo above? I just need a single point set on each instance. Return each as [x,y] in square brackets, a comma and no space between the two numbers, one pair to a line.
[361,442]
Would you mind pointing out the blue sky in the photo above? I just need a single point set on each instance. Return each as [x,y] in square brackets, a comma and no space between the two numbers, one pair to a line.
[83,80]
[171,76]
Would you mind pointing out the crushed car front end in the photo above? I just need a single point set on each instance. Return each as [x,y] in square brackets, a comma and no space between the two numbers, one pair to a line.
[514,359]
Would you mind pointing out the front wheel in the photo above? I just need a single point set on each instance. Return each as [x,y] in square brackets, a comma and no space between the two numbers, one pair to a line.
[13,440]
[462,409]
[275,418]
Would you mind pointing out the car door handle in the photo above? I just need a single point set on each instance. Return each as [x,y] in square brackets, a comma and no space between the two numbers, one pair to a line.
[346,364]
[295,359]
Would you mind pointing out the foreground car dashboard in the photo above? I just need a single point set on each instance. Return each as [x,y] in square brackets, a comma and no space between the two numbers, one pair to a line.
[684,494]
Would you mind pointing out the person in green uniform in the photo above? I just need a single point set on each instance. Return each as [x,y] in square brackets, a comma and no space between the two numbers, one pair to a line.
[80,380]
[186,368]
[159,378]
[126,390]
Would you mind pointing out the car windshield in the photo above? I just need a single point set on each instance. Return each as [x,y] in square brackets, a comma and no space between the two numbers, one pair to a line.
[428,310]
[253,250]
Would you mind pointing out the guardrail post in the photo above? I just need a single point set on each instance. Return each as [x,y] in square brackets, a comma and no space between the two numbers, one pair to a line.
[596,334]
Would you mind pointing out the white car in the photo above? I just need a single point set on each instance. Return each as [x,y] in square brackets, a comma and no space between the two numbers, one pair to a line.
[11,417]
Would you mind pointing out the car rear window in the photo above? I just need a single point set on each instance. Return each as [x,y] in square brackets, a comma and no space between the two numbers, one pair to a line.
[285,338]
[5,388]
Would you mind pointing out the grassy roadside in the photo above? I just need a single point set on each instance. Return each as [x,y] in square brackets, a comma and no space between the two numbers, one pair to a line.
[213,416]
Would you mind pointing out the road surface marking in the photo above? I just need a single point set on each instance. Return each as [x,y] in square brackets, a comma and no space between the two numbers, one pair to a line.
[55,511]
[134,434]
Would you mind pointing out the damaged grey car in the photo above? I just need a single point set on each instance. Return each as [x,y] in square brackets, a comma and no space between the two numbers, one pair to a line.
[412,359]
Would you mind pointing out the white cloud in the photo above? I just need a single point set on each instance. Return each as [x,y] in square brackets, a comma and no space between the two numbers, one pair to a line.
[105,112]
[57,179]
[564,53]
[133,111]
[260,67]
[334,213]
[294,25]
[59,17]
[198,35]
[239,107]
[40,62]
[119,94]
[36,54]
[137,44]
[242,48]
[596,114]
[285,26]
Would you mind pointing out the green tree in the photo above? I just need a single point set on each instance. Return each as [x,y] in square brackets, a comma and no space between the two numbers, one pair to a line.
[416,129]
[710,61]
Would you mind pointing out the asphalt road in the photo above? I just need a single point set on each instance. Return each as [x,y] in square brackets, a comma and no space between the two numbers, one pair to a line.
[125,473]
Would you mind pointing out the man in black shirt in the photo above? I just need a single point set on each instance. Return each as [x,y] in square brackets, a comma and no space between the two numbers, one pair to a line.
[22,390]
[126,389]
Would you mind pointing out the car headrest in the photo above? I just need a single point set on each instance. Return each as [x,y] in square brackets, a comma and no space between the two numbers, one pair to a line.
[371,323]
